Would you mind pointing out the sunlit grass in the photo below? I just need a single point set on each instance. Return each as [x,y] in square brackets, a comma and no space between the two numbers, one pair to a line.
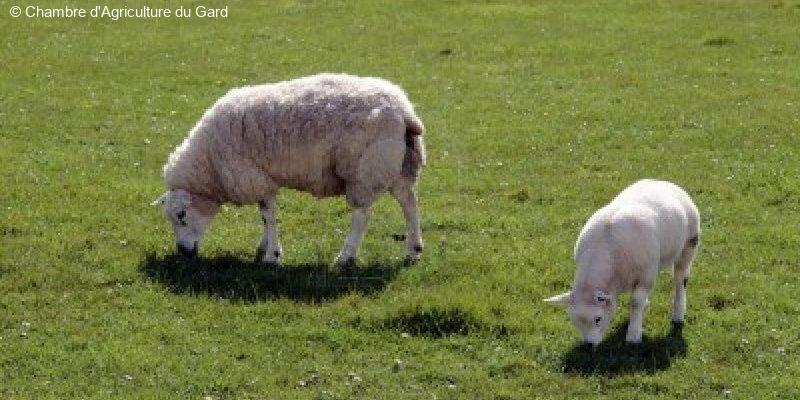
[537,113]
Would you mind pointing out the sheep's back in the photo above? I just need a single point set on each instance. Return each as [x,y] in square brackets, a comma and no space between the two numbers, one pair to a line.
[300,133]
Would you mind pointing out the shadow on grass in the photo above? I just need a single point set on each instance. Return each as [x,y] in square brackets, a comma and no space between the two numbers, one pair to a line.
[232,278]
[614,356]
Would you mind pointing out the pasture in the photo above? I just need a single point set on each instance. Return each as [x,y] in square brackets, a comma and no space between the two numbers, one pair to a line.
[537,113]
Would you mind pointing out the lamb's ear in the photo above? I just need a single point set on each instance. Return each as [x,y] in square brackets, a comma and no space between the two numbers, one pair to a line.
[159,200]
[602,296]
[562,299]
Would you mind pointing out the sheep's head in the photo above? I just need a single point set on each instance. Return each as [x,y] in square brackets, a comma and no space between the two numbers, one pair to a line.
[190,216]
[590,312]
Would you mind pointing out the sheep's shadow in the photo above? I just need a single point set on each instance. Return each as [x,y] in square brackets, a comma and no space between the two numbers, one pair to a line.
[230,277]
[614,356]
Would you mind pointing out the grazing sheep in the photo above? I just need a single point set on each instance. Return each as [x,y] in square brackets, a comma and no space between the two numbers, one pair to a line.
[328,134]
[620,249]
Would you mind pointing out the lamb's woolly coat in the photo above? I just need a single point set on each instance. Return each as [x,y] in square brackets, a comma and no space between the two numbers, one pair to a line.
[649,224]
[327,134]
[620,249]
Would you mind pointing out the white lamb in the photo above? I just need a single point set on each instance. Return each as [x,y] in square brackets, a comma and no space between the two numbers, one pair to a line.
[620,249]
[328,134]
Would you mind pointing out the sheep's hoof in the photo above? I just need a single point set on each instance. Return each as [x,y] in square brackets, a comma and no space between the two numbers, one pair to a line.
[260,252]
[677,328]
[413,254]
[271,263]
[344,263]
[634,340]
[411,259]
[268,258]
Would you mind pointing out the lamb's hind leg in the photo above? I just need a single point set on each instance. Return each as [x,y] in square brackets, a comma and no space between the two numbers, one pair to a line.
[405,195]
[269,251]
[681,272]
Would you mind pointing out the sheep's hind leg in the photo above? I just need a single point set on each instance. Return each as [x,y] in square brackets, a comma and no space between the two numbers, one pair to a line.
[269,251]
[681,272]
[407,198]
[347,257]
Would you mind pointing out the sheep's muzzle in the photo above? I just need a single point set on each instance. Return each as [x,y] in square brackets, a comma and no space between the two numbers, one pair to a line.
[187,252]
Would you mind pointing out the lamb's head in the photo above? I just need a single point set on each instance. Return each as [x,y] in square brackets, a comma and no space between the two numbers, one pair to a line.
[590,312]
[190,216]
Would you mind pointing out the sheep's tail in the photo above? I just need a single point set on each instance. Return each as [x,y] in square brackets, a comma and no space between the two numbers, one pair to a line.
[414,126]
[415,147]
[414,129]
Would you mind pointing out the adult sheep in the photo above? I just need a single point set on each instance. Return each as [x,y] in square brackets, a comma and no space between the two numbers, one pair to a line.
[620,249]
[327,134]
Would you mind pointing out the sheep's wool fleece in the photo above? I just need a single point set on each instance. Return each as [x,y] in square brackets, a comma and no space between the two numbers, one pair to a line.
[321,134]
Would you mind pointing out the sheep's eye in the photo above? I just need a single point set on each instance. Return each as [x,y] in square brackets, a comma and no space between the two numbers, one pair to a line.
[597,321]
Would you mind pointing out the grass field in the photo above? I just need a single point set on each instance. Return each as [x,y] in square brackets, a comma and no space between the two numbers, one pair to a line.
[537,113]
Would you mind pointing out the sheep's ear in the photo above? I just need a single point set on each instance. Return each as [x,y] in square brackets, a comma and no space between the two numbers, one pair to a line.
[562,299]
[159,200]
[183,197]
[602,296]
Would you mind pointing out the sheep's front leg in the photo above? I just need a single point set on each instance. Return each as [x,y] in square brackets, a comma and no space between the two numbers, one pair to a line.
[358,226]
[269,251]
[638,305]
[407,198]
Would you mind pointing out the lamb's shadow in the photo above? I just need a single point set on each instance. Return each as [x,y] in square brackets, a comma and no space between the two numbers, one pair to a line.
[614,356]
[230,277]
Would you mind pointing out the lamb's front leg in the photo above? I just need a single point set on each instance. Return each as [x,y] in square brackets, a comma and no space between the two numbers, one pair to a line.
[638,306]
[679,302]
[269,251]
[347,257]
[681,272]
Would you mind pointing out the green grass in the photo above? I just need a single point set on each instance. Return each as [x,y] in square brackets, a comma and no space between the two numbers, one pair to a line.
[537,113]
